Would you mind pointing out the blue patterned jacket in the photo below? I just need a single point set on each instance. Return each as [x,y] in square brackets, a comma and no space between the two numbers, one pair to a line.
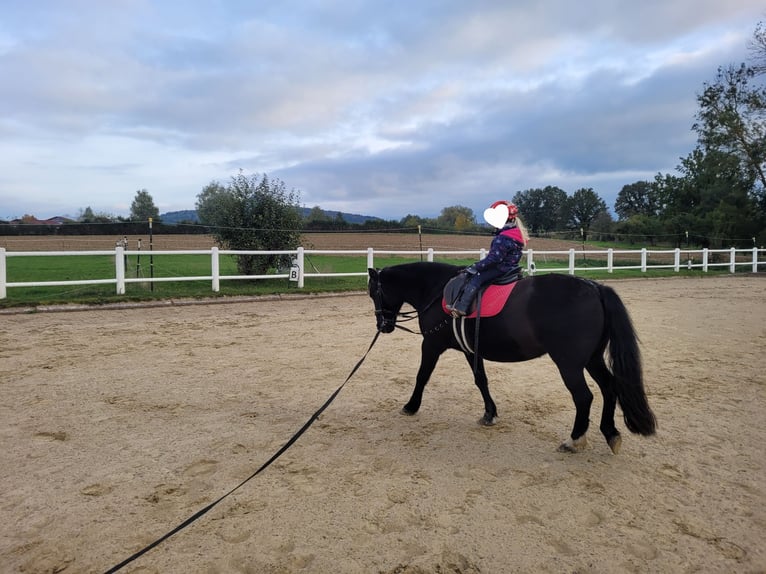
[505,251]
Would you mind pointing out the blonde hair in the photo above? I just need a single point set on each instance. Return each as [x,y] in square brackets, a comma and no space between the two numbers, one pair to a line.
[523,229]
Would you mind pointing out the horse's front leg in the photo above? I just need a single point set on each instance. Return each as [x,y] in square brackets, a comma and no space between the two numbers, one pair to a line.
[428,359]
[480,378]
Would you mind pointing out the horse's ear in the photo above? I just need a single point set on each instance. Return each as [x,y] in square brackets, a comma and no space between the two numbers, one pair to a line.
[373,273]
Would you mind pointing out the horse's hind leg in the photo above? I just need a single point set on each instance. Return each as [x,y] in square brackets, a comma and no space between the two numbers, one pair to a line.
[480,378]
[605,380]
[574,379]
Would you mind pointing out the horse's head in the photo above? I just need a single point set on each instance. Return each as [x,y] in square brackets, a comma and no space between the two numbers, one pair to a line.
[386,307]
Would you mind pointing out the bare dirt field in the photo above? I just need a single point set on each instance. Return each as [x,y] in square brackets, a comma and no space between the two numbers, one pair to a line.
[403,241]
[119,424]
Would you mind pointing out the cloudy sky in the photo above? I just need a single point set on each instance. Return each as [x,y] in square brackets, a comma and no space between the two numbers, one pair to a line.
[377,108]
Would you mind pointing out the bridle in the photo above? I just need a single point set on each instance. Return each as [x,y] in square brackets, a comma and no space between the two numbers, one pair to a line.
[387,318]
[383,317]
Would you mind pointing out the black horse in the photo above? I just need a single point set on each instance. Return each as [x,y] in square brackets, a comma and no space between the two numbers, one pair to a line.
[571,319]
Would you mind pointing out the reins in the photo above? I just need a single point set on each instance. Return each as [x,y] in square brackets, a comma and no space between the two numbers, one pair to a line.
[263,467]
[411,315]
[405,316]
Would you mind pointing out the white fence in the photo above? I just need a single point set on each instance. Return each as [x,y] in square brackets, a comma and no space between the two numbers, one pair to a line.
[671,259]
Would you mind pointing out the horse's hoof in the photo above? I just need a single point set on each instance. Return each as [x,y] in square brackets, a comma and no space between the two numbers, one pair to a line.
[573,446]
[615,443]
[406,411]
[487,421]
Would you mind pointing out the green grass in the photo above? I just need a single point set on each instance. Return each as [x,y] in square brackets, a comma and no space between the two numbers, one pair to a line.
[83,267]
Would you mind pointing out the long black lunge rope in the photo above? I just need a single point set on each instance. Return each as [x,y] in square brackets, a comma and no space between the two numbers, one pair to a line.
[263,467]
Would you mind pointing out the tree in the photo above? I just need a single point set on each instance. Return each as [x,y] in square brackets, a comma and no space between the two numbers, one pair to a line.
[317,214]
[640,227]
[410,220]
[317,219]
[339,222]
[603,225]
[583,208]
[639,198]
[252,213]
[732,119]
[542,209]
[729,166]
[86,216]
[720,197]
[716,198]
[456,217]
[143,207]
[758,48]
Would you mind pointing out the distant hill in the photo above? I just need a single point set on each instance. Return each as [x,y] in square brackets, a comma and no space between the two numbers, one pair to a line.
[186,216]
[347,217]
[190,215]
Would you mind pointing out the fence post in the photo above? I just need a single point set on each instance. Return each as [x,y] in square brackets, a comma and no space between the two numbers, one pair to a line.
[755,262]
[643,260]
[610,260]
[215,269]
[732,261]
[300,258]
[119,269]
[677,260]
[370,258]
[571,261]
[430,256]
[4,294]
[704,260]
[530,263]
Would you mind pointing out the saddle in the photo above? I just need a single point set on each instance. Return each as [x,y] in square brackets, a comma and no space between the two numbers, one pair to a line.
[493,296]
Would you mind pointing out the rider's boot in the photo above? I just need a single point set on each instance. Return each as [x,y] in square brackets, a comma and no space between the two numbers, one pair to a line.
[460,307]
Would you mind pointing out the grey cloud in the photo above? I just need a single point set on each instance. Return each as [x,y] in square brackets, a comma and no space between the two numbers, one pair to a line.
[370,106]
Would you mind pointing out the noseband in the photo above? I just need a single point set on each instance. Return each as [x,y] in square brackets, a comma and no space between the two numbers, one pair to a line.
[388,318]
[384,317]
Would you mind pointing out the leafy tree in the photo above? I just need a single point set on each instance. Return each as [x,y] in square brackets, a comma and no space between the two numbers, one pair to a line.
[338,222]
[639,198]
[252,213]
[410,220]
[143,207]
[732,119]
[640,228]
[371,224]
[316,219]
[724,194]
[86,215]
[542,209]
[583,208]
[215,203]
[670,192]
[456,217]
[716,198]
[317,214]
[603,225]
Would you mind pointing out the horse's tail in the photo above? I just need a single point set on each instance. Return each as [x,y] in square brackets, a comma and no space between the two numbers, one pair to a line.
[625,363]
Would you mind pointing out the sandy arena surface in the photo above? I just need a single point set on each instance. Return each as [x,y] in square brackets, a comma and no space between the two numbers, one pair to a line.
[118,425]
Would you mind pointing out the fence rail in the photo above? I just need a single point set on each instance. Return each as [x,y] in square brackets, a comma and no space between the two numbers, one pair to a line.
[667,259]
